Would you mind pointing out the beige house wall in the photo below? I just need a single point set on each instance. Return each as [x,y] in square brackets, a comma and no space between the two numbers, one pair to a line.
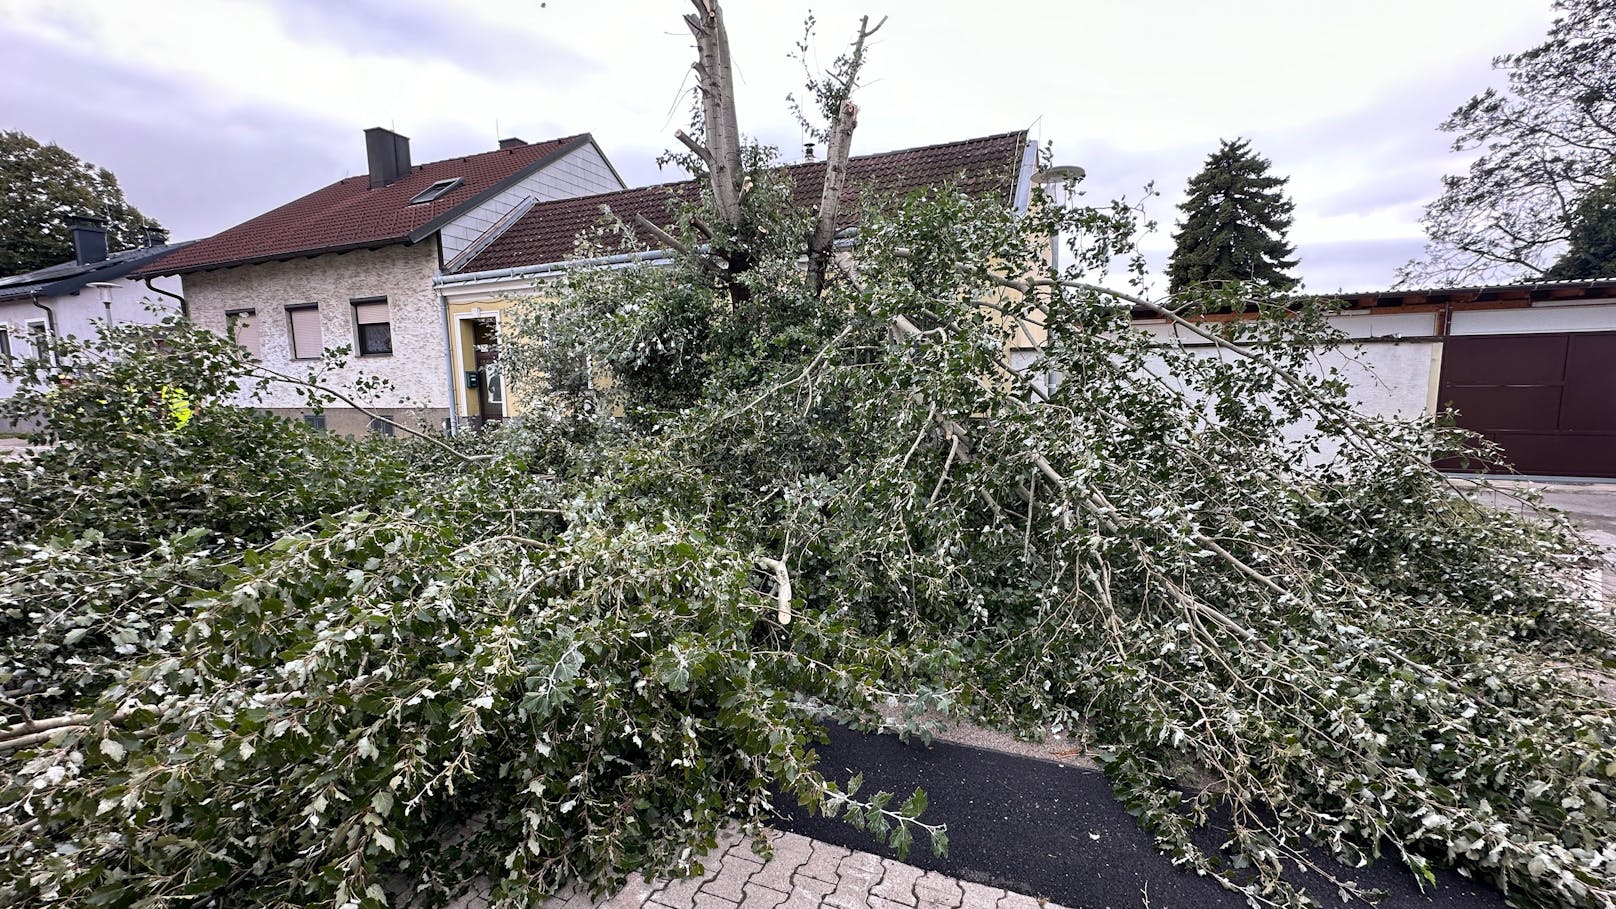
[415,374]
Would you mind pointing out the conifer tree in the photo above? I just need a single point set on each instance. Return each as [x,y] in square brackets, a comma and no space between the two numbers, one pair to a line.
[1234,224]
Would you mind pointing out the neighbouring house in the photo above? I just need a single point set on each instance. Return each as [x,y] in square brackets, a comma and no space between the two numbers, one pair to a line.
[540,245]
[1529,366]
[73,298]
[351,266]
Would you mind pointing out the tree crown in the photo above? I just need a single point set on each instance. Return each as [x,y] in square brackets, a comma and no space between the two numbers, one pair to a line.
[1234,225]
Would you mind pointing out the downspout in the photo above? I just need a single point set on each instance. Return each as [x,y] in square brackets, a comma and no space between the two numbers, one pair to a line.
[185,308]
[50,330]
[50,314]
[448,365]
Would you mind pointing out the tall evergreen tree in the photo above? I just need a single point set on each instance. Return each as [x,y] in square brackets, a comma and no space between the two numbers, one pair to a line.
[41,186]
[1234,224]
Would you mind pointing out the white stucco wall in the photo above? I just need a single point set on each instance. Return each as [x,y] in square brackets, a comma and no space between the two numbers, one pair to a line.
[402,274]
[1390,367]
[581,172]
[1543,317]
[80,314]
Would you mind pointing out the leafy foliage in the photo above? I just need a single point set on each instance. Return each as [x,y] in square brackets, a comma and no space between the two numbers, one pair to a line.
[1545,145]
[1234,224]
[1591,248]
[41,186]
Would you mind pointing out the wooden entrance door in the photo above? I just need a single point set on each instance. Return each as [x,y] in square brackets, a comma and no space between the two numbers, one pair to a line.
[1548,399]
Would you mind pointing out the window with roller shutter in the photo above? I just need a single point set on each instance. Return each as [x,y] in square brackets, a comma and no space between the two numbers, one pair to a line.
[305,331]
[372,327]
[243,329]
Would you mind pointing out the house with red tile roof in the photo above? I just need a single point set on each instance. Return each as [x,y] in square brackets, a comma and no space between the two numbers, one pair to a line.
[540,244]
[350,267]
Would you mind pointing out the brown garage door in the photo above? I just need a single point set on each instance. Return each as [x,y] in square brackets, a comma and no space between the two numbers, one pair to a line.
[1549,399]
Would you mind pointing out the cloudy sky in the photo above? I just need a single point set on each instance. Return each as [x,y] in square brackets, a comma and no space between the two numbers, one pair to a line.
[212,111]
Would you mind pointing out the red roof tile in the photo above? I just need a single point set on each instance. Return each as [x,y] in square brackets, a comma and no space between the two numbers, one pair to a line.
[348,214]
[549,231]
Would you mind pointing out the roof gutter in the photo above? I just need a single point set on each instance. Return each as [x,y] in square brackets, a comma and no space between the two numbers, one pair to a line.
[185,308]
[844,240]
[550,268]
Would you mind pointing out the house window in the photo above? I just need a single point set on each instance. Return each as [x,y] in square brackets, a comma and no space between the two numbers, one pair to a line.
[5,342]
[39,338]
[305,325]
[435,190]
[241,326]
[374,331]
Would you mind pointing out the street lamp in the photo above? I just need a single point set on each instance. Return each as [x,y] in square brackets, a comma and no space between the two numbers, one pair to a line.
[105,289]
[1055,182]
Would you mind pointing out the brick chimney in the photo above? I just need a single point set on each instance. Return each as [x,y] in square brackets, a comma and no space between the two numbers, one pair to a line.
[388,154]
[89,238]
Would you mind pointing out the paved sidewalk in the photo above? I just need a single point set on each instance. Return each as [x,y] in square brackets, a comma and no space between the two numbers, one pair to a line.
[804,874]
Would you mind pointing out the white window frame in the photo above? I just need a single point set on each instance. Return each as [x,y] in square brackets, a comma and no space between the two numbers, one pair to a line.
[359,346]
[39,334]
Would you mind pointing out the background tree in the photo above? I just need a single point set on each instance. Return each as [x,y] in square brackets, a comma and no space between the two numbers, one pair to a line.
[41,186]
[1234,224]
[1592,249]
[1545,142]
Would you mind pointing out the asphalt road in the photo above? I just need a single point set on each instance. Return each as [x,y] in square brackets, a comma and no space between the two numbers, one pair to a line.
[1058,832]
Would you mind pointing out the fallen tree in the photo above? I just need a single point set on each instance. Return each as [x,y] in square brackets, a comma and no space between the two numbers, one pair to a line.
[623,623]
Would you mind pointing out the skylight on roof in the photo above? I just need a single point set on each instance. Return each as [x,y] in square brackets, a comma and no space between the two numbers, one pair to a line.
[435,190]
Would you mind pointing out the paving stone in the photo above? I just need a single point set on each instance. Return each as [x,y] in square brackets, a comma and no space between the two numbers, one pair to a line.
[733,871]
[741,850]
[680,893]
[897,883]
[812,886]
[976,896]
[856,875]
[710,901]
[823,862]
[761,897]
[634,894]
[801,899]
[1023,901]
[790,853]
[934,891]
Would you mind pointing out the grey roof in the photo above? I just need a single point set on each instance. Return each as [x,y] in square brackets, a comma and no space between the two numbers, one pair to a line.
[67,277]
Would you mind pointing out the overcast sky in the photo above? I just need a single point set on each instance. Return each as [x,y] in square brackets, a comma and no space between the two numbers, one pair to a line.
[213,111]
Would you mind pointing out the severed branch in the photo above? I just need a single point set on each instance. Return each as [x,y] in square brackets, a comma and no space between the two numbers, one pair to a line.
[839,148]
[722,153]
[782,588]
[696,148]
[708,261]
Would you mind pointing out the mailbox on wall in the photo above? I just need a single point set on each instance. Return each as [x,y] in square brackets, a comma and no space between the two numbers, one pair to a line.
[474,379]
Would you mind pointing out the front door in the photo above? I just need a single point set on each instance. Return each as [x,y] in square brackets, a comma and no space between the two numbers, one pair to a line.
[485,356]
